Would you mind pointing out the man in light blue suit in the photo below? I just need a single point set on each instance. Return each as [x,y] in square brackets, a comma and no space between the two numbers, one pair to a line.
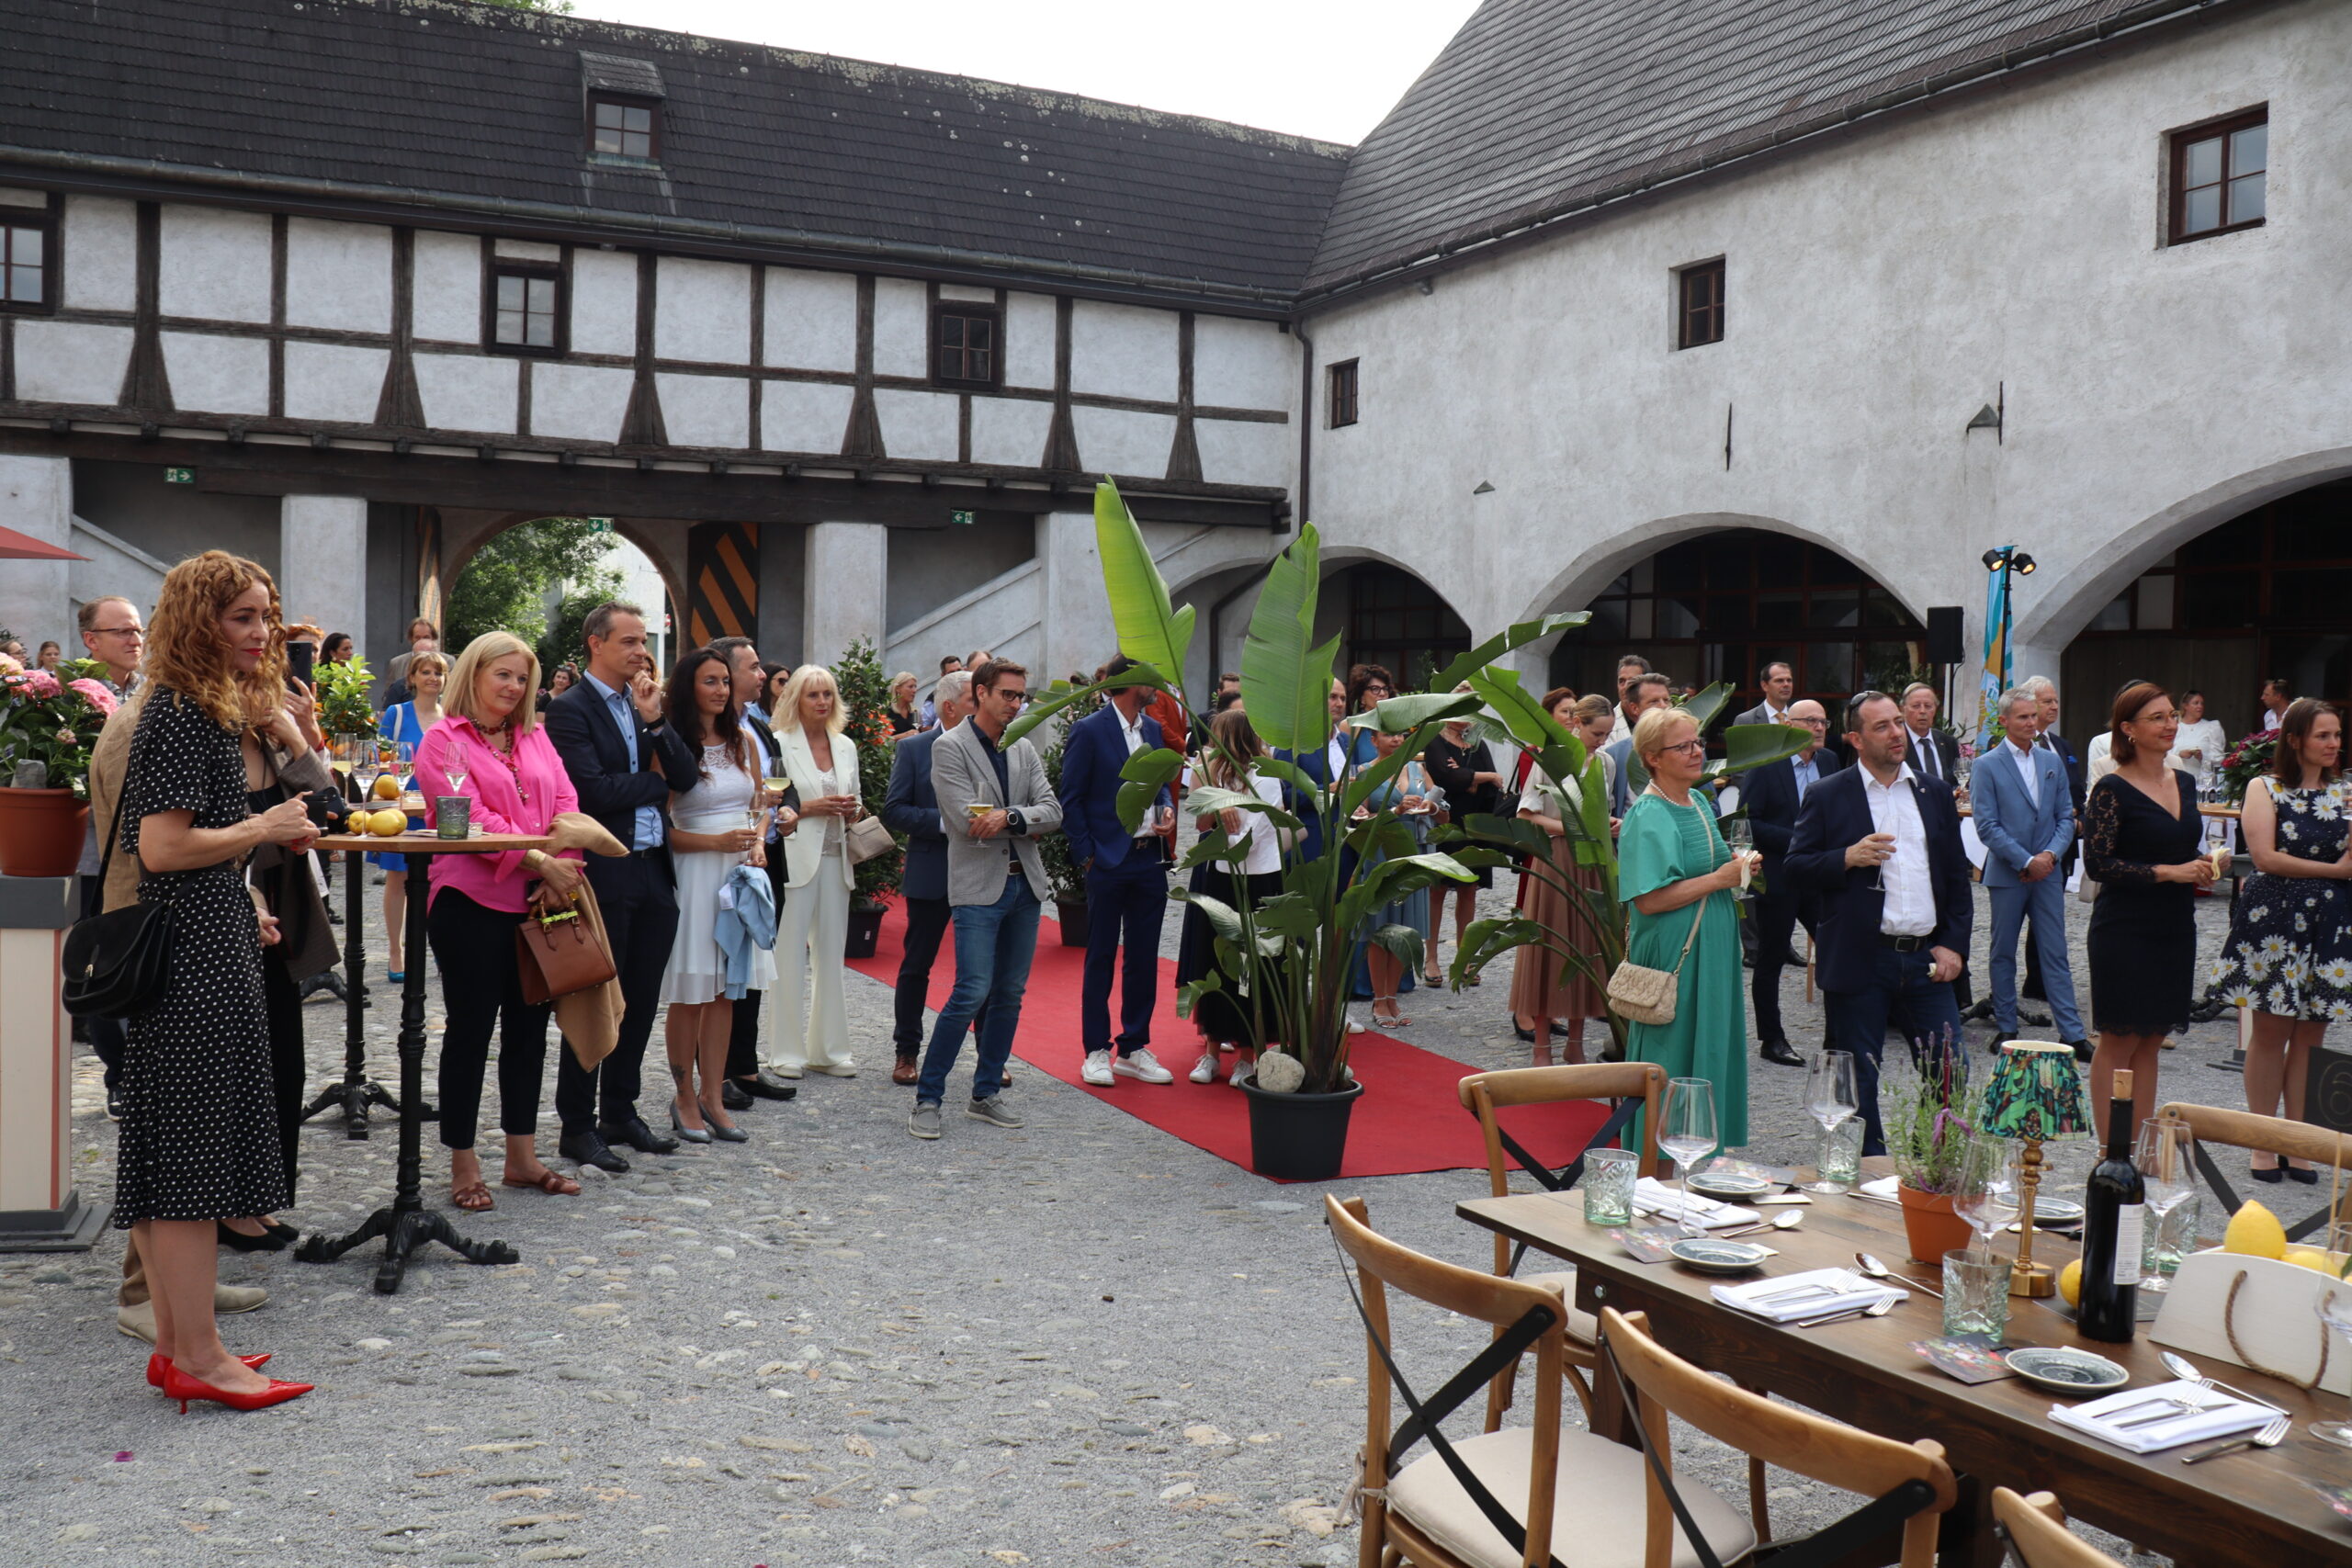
[2025,815]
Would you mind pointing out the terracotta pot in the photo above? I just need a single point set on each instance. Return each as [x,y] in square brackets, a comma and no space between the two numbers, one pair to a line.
[42,832]
[1931,1226]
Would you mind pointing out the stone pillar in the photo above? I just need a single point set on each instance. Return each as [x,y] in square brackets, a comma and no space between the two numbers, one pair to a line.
[322,563]
[844,589]
[36,498]
[1075,628]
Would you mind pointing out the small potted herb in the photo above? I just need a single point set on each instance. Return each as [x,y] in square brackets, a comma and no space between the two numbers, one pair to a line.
[1927,1125]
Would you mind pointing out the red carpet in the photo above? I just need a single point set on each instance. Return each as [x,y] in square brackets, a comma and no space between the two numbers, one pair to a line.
[1409,1118]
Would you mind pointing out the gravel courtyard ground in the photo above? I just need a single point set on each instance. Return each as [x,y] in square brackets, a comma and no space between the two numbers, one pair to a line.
[1080,1343]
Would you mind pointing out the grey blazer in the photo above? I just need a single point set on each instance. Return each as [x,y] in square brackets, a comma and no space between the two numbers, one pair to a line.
[961,774]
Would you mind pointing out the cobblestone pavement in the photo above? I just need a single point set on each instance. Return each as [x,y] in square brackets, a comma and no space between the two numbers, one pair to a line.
[1083,1342]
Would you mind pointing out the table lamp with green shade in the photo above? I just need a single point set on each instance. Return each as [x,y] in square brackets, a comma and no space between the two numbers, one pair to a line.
[2035,1095]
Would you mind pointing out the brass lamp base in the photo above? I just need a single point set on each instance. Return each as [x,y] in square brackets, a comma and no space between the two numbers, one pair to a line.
[2027,1278]
[2031,1279]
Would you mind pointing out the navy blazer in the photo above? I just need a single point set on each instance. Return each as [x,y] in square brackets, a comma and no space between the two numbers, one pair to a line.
[1836,815]
[1620,794]
[1316,765]
[1770,792]
[595,754]
[2074,761]
[911,808]
[1092,755]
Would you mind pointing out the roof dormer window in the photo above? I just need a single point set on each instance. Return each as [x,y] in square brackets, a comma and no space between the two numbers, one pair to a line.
[623,129]
[623,107]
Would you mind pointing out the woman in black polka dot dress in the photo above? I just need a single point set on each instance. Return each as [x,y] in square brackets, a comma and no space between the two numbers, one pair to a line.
[199,1139]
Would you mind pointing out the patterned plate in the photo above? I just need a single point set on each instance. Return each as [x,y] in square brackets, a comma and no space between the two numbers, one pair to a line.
[1712,1256]
[2063,1371]
[1729,1184]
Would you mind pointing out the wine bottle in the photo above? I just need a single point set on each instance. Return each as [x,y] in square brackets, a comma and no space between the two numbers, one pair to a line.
[2113,1208]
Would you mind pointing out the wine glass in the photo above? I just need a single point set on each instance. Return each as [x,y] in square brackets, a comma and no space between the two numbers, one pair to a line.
[1739,837]
[2335,1309]
[1830,1097]
[1690,1134]
[366,768]
[1987,1195]
[2167,1175]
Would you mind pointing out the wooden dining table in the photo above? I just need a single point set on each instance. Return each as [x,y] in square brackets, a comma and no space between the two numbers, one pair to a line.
[2249,1509]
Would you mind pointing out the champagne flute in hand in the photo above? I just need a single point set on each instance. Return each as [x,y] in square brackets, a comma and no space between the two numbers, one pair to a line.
[1830,1100]
[1689,1135]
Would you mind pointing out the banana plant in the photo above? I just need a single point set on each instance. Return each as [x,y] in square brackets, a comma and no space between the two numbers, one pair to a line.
[1292,955]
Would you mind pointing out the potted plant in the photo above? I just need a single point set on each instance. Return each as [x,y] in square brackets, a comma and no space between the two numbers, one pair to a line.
[1928,1123]
[48,728]
[864,698]
[2249,759]
[1062,866]
[345,715]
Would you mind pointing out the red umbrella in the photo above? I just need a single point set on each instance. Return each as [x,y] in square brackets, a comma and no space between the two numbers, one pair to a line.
[24,547]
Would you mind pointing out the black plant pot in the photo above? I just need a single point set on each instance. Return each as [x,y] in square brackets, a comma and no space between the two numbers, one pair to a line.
[865,932]
[1298,1137]
[1071,913]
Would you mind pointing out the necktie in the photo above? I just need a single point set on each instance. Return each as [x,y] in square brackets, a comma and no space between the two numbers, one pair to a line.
[1929,763]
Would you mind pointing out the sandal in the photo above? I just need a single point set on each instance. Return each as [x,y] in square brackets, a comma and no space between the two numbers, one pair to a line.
[473,1197]
[553,1182]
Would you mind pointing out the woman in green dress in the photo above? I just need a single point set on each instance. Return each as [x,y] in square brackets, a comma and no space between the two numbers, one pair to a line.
[1674,868]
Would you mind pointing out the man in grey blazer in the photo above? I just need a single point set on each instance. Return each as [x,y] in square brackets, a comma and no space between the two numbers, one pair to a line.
[994,803]
[1780,691]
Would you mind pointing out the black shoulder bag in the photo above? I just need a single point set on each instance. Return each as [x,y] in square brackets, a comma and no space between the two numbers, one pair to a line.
[118,964]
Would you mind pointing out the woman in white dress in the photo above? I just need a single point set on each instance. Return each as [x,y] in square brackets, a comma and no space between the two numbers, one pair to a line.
[713,829]
[809,1020]
[2202,744]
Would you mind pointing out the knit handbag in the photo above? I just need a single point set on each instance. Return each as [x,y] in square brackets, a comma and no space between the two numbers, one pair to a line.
[1642,995]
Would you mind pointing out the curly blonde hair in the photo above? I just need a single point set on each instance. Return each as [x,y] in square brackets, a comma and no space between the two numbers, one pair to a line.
[187,653]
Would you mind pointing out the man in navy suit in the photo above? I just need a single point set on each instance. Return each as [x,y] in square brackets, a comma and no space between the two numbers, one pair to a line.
[1774,793]
[1882,847]
[913,807]
[1126,880]
[2025,817]
[609,729]
[1322,764]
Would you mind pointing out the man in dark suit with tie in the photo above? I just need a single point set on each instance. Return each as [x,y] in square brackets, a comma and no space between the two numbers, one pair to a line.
[610,731]
[1932,752]
[1773,795]
[911,808]
[745,1084]
[1882,847]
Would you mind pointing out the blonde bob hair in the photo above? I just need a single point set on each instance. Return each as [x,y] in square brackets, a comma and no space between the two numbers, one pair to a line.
[187,653]
[1655,731]
[802,679]
[457,691]
[436,663]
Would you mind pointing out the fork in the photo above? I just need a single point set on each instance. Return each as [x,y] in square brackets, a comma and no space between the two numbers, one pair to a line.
[2269,1437]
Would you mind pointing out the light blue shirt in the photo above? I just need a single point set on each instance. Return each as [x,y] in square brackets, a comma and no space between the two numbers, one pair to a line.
[648,835]
[1808,774]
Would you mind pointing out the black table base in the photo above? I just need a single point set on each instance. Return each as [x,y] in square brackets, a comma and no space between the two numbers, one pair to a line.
[355,1091]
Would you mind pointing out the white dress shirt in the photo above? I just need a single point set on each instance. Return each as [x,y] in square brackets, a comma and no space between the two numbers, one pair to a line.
[1910,885]
[1131,729]
[2023,757]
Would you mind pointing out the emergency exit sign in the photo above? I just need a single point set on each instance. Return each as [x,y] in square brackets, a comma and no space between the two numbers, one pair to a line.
[600,525]
[179,476]
[963,519]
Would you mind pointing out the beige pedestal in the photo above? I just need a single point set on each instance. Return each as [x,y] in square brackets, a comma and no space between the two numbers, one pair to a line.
[39,1208]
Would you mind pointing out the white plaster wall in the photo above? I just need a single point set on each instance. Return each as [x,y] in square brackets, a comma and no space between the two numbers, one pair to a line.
[338,274]
[331,381]
[1123,351]
[36,498]
[703,311]
[1010,431]
[1029,340]
[802,416]
[319,538]
[580,403]
[66,362]
[902,328]
[469,391]
[604,302]
[1074,610]
[919,426]
[101,254]
[846,578]
[213,264]
[1237,452]
[1880,291]
[1242,365]
[811,319]
[1112,441]
[218,375]
[448,288]
[706,410]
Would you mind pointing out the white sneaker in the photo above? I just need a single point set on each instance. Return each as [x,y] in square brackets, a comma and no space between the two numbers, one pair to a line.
[784,1070]
[1097,1070]
[1241,1069]
[1142,1065]
[1204,1070]
[1353,1027]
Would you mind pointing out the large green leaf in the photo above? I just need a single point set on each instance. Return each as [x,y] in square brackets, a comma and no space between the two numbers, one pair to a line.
[1402,943]
[1203,800]
[1400,715]
[1287,681]
[1508,640]
[1150,627]
[1146,772]
[1750,746]
[1042,706]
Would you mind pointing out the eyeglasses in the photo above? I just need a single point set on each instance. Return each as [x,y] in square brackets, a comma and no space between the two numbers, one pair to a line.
[1684,746]
[118,631]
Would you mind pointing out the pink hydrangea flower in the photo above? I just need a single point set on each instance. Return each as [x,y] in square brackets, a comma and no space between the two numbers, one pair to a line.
[41,686]
[95,694]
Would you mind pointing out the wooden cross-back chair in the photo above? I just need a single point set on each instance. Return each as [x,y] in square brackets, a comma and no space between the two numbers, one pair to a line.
[2271,1135]
[2035,1531]
[1493,1500]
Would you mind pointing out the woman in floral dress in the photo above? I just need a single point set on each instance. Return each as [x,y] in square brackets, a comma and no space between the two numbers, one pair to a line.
[2290,953]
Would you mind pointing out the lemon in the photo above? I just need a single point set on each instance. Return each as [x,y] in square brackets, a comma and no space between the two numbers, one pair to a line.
[2256,1231]
[384,824]
[2070,1283]
[2304,1258]
[387,787]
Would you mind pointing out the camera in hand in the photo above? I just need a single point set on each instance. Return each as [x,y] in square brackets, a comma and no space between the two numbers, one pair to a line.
[327,809]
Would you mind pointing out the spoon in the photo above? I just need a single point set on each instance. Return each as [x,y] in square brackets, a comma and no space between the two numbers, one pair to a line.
[2185,1371]
[1878,1270]
[1788,1220]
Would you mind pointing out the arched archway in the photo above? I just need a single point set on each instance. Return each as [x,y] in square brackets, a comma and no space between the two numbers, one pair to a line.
[1383,613]
[464,533]
[537,579]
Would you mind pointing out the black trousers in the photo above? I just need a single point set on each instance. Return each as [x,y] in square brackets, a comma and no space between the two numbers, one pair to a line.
[1775,917]
[281,1001]
[1125,905]
[641,908]
[481,989]
[107,1037]
[743,1032]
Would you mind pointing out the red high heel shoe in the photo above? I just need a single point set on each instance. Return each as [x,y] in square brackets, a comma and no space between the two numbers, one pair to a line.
[157,1361]
[178,1385]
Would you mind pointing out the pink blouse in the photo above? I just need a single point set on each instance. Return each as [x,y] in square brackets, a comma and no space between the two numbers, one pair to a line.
[525,799]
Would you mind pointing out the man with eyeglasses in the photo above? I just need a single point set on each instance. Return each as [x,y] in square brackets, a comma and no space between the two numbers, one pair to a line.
[1649,690]
[116,638]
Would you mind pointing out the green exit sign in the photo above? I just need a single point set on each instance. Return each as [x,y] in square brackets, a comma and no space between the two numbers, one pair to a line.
[179,476]
[600,525]
[963,519]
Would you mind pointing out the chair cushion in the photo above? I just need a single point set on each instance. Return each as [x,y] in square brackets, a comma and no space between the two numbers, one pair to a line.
[1599,1510]
[1582,1326]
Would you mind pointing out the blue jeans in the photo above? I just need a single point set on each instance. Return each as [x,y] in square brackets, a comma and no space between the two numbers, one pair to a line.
[994,944]
[1124,906]
[2046,901]
[1901,992]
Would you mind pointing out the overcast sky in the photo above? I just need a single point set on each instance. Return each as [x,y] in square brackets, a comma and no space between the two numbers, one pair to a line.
[1322,68]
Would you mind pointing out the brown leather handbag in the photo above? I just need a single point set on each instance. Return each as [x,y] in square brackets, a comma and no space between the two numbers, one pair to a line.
[560,954]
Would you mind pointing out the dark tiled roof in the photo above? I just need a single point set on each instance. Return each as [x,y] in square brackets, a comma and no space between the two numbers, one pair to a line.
[1539,105]
[485,105]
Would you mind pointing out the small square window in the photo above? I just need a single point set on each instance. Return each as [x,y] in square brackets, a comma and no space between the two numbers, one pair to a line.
[526,309]
[2220,175]
[1339,393]
[1699,305]
[624,128]
[28,263]
[965,347]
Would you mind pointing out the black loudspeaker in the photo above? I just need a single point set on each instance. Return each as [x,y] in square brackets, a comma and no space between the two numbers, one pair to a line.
[1943,634]
[2327,1101]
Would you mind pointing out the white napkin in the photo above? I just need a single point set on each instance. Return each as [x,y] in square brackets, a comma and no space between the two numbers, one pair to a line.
[2217,1415]
[1843,1291]
[1885,1186]
[1655,1198]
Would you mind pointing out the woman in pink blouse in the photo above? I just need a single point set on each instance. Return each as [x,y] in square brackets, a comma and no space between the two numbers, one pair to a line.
[489,746]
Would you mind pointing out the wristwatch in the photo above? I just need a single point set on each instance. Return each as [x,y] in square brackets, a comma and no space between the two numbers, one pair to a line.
[1016,823]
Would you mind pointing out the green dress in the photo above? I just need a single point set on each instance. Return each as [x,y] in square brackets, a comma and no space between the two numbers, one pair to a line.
[1661,843]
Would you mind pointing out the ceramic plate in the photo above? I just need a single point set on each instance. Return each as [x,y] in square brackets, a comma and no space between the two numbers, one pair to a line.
[2063,1370]
[1729,1184]
[1712,1256]
[2062,1212]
